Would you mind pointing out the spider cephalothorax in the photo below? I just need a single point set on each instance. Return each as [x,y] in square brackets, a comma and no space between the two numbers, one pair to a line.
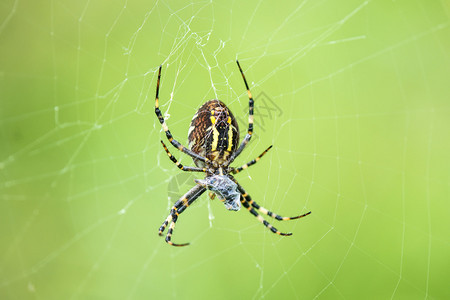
[213,145]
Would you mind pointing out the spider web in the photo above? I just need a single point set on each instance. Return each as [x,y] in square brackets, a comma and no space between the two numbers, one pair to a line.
[352,94]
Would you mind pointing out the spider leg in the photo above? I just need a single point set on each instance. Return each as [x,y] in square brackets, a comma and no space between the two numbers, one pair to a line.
[265,211]
[250,163]
[248,136]
[261,219]
[177,209]
[179,165]
[169,136]
[247,205]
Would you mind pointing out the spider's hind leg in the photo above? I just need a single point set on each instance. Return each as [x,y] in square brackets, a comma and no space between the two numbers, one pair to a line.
[169,136]
[251,103]
[179,165]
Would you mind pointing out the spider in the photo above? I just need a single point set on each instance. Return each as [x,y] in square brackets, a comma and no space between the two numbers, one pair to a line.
[213,145]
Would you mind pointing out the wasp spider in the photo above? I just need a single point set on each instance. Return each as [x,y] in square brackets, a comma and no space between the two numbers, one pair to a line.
[213,145]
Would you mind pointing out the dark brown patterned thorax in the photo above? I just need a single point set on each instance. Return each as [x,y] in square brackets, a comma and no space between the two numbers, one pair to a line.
[214,132]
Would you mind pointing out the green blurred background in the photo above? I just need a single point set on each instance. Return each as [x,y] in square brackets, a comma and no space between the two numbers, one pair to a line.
[354,95]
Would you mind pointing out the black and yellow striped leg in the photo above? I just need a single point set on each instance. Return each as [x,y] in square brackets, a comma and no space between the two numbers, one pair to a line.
[261,219]
[248,136]
[263,210]
[250,163]
[179,206]
[174,142]
[179,165]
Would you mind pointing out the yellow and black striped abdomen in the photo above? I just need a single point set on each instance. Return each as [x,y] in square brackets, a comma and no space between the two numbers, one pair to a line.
[214,132]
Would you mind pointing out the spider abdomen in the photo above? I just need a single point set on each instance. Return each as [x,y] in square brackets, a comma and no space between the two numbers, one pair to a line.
[214,132]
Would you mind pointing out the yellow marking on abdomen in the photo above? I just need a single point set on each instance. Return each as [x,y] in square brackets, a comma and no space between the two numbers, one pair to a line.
[215,140]
[230,137]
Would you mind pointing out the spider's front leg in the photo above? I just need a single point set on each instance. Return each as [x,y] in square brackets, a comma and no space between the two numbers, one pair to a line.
[248,203]
[265,211]
[177,209]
